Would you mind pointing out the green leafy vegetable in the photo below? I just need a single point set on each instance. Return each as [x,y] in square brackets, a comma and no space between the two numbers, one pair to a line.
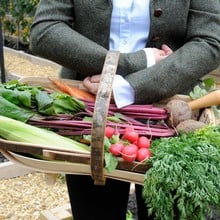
[111,162]
[20,101]
[11,110]
[129,215]
[184,180]
[206,86]
[67,104]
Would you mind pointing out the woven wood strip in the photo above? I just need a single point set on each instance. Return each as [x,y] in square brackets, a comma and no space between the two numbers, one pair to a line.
[99,116]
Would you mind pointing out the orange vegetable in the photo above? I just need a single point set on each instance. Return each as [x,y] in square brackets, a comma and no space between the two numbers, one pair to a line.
[212,98]
[73,90]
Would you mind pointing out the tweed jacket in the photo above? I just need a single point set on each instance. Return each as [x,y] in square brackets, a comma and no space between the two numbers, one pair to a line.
[75,34]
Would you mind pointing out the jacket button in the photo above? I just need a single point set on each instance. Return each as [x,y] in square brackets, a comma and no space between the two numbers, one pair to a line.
[158,12]
[155,38]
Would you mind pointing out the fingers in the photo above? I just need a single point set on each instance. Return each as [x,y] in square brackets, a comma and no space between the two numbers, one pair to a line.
[95,78]
[166,49]
[159,54]
[91,84]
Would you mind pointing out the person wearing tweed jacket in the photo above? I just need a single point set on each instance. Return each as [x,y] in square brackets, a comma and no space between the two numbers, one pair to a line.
[78,34]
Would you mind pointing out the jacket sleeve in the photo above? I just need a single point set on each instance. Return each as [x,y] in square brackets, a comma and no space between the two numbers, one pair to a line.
[53,37]
[199,55]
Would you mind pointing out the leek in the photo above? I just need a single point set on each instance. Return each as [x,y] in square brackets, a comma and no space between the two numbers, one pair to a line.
[14,130]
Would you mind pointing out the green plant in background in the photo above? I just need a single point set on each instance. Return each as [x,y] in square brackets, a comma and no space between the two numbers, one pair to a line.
[17,16]
[9,28]
[3,8]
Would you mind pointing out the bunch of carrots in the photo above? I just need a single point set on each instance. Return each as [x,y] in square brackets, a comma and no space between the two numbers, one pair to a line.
[72,90]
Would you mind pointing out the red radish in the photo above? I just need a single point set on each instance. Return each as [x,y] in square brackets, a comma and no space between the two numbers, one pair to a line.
[116,149]
[130,135]
[143,142]
[128,128]
[109,131]
[135,142]
[143,154]
[129,153]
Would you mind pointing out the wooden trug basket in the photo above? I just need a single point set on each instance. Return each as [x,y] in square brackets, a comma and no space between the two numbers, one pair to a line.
[66,161]
[60,160]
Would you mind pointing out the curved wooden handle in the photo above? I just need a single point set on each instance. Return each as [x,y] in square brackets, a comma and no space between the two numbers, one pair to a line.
[100,116]
[212,98]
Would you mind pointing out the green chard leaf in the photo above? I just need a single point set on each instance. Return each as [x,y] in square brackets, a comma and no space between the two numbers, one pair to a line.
[44,103]
[8,109]
[20,98]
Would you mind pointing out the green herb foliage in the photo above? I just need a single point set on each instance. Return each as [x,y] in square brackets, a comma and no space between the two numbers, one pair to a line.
[184,180]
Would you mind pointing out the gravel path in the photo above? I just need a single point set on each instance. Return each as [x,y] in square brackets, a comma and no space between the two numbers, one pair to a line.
[23,198]
[20,67]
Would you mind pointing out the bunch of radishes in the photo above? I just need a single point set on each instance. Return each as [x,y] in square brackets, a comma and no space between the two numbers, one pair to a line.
[129,145]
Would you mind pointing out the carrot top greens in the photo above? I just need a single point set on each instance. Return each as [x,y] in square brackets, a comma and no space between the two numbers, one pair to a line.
[184,181]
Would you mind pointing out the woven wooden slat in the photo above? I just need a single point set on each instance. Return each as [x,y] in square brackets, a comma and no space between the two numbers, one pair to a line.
[99,117]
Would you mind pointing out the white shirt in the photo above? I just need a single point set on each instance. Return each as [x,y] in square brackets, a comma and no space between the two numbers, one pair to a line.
[130,24]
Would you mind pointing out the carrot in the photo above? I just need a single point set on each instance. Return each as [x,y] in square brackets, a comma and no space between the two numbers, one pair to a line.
[73,90]
[212,98]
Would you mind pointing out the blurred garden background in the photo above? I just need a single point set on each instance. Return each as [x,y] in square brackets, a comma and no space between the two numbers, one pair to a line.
[16,17]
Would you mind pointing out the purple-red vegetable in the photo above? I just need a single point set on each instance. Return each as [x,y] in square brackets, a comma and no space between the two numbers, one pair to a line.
[145,119]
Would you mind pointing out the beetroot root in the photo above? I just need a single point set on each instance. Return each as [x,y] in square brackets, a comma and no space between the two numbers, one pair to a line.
[178,111]
[189,125]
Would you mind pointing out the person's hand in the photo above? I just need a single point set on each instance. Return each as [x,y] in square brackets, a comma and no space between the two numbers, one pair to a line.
[91,83]
[162,53]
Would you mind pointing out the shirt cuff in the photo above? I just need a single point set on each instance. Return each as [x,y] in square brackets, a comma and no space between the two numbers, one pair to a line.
[122,91]
[150,56]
